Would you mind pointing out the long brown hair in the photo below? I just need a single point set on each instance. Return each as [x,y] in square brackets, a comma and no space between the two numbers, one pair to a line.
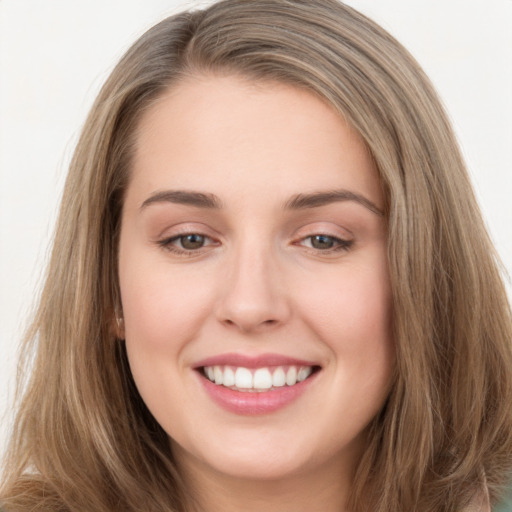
[84,440]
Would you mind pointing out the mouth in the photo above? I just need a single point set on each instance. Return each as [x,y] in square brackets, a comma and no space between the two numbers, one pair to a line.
[255,385]
[257,380]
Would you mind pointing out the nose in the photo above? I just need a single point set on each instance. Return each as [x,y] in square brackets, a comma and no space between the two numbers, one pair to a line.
[254,296]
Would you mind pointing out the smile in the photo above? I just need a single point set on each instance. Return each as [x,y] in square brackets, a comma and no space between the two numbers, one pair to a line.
[256,379]
[255,385]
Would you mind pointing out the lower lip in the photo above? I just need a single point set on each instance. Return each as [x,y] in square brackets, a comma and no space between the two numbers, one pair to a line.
[256,402]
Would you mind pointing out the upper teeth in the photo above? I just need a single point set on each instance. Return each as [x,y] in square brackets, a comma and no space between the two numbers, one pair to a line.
[258,378]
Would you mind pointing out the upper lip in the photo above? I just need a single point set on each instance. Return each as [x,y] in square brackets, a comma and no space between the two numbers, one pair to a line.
[252,361]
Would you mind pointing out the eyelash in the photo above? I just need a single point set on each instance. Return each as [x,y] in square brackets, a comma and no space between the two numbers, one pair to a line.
[340,245]
[167,244]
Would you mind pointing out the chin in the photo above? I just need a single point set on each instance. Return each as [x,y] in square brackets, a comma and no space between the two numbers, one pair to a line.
[259,469]
[263,457]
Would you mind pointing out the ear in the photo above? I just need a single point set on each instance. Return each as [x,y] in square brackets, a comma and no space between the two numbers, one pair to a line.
[117,325]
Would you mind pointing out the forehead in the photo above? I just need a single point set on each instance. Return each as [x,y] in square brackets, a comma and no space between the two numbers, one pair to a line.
[215,130]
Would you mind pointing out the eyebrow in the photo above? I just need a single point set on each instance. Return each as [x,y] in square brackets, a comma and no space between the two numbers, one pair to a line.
[317,199]
[191,198]
[297,202]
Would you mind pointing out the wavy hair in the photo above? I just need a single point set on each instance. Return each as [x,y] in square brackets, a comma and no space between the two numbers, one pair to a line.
[84,440]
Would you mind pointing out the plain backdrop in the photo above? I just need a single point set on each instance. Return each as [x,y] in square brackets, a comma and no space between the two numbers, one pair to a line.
[55,54]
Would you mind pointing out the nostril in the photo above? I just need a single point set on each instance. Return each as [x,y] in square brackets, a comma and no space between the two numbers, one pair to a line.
[248,322]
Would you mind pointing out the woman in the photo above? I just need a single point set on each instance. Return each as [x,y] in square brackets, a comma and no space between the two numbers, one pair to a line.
[271,287]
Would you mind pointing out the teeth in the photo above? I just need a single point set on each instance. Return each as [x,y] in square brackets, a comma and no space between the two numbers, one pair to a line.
[218,374]
[261,379]
[243,378]
[304,373]
[229,377]
[291,376]
[279,378]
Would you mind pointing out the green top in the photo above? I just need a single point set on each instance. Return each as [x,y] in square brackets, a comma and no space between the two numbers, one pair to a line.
[506,504]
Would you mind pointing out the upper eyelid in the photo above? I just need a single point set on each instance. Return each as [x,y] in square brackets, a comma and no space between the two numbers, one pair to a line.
[339,233]
[186,228]
[330,226]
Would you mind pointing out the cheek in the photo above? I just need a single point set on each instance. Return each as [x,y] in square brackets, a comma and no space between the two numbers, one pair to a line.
[352,309]
[163,307]
[164,312]
[352,315]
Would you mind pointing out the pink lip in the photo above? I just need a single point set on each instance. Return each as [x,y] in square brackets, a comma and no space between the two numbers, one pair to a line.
[253,403]
[259,361]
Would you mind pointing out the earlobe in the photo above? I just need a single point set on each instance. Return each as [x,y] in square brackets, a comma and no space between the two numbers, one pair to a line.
[120,327]
[117,326]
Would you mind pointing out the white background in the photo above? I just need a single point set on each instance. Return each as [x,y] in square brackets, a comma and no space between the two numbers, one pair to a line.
[55,54]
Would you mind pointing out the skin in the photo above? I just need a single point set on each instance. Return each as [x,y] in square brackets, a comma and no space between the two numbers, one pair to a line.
[258,284]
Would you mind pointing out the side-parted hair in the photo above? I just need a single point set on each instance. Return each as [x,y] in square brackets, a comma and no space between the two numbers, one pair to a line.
[84,440]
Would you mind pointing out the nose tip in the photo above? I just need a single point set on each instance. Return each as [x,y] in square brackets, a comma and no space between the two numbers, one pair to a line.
[254,298]
[252,308]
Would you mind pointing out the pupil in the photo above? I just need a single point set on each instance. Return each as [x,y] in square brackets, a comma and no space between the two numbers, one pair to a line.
[192,241]
[322,242]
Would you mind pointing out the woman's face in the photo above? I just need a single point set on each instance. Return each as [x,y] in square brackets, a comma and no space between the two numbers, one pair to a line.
[254,279]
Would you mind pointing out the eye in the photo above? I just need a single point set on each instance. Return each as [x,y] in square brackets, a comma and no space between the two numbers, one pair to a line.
[186,243]
[322,242]
[326,243]
[192,241]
